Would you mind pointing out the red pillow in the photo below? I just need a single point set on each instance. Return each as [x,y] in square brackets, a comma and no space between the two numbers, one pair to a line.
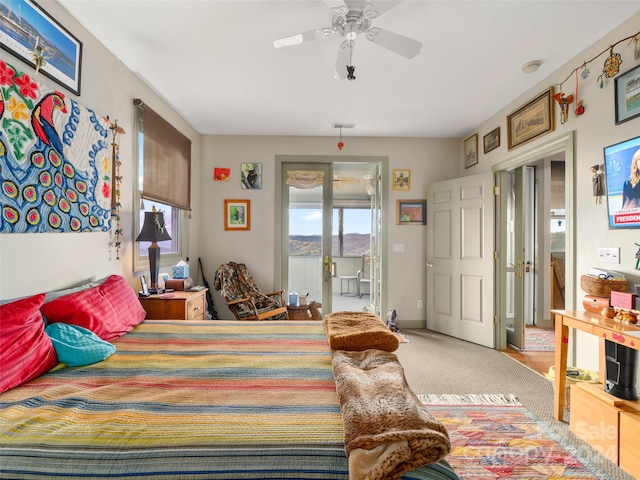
[108,310]
[26,351]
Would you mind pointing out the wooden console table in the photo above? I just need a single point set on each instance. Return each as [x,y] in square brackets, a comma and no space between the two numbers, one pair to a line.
[595,324]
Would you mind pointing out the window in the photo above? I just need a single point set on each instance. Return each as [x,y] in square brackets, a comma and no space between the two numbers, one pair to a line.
[164,182]
[356,232]
[351,232]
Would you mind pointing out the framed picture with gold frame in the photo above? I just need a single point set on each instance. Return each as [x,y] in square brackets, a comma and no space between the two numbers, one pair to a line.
[471,151]
[411,212]
[491,140]
[401,179]
[532,120]
[237,214]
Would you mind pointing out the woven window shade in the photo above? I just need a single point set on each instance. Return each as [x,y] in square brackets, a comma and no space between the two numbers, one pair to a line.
[167,161]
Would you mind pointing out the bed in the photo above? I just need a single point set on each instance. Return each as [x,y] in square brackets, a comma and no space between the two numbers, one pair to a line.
[193,400]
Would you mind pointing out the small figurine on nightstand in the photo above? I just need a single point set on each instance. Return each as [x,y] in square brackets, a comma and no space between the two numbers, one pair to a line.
[598,189]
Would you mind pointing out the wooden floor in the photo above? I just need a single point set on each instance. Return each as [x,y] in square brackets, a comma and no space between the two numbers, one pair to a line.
[537,361]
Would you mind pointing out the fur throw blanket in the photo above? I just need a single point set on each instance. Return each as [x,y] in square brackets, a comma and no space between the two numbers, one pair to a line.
[387,429]
[357,331]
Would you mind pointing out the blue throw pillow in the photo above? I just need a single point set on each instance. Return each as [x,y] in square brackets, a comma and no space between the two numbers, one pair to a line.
[76,346]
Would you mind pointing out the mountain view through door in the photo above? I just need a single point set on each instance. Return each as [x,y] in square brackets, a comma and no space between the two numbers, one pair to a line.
[355,233]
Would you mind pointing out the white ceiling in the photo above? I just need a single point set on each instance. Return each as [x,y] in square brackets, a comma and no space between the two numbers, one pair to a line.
[214,62]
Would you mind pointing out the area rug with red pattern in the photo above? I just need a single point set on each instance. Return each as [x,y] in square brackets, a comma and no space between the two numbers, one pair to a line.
[494,436]
[538,340]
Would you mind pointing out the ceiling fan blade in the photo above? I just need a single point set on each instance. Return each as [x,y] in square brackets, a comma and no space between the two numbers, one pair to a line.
[381,6]
[337,7]
[404,46]
[303,37]
[345,53]
[356,4]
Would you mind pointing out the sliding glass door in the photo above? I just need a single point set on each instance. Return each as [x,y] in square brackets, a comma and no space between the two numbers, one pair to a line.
[306,247]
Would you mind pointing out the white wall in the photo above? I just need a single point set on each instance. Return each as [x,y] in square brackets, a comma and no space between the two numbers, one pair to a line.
[429,160]
[595,130]
[32,263]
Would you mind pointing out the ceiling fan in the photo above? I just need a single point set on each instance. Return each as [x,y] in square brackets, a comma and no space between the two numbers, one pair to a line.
[350,19]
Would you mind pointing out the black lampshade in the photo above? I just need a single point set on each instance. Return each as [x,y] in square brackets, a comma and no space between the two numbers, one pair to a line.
[154,229]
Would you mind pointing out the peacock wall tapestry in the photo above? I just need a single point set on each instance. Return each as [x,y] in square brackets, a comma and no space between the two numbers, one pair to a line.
[54,160]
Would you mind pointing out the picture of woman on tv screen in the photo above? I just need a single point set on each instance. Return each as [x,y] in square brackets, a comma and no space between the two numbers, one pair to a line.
[631,188]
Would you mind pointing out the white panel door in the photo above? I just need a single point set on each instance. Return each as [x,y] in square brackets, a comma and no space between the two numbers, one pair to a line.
[460,245]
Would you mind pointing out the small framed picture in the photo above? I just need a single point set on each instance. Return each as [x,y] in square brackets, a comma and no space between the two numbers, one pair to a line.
[401,179]
[627,95]
[237,214]
[221,174]
[471,151]
[251,176]
[491,140]
[411,212]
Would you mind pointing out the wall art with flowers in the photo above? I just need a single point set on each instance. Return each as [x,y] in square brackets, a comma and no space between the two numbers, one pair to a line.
[55,169]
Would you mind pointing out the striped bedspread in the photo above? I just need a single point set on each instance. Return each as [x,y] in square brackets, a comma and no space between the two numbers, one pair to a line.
[189,400]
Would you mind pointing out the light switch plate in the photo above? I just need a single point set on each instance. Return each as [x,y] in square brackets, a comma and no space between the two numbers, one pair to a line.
[608,254]
[398,247]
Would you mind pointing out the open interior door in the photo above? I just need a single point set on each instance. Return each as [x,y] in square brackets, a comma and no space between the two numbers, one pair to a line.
[460,246]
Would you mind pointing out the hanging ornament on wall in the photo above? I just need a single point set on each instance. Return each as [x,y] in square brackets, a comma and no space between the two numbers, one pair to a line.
[585,71]
[579,107]
[340,143]
[612,64]
[116,182]
[564,103]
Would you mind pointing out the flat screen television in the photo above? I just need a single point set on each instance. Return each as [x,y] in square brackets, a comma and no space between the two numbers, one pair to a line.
[622,170]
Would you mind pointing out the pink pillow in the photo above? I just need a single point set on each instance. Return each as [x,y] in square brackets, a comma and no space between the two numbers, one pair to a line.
[26,351]
[108,310]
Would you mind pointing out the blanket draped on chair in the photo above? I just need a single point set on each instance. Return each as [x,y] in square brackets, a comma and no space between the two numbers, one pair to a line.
[234,282]
[388,431]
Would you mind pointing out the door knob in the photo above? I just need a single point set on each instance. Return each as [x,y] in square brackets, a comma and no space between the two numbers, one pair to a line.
[518,267]
[429,264]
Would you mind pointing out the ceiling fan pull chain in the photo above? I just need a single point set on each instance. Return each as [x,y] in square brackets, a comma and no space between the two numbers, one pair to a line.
[351,70]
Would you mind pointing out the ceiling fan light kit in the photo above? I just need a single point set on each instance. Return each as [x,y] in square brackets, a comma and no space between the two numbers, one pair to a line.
[351,19]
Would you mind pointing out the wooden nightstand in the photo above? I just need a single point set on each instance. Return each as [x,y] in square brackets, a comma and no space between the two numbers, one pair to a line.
[175,306]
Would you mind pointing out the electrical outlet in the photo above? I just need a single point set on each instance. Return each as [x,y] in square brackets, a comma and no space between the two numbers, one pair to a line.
[419,303]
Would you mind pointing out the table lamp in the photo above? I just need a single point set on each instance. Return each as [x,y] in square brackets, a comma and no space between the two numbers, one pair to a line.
[153,230]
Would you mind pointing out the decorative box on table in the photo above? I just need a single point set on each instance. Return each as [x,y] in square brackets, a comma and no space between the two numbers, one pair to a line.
[180,271]
[179,284]
[623,300]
